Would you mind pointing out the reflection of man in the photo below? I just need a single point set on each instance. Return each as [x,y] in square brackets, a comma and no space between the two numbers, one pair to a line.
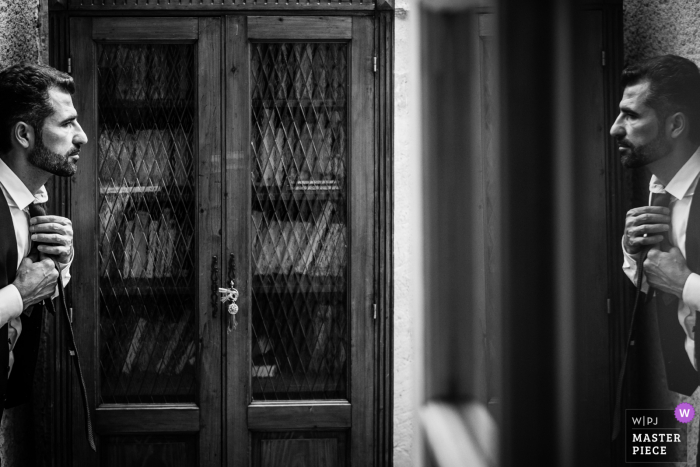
[659,128]
[39,136]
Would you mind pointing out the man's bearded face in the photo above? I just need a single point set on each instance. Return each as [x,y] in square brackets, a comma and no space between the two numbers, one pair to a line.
[58,164]
[635,156]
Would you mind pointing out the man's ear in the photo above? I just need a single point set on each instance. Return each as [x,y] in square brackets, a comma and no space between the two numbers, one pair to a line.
[23,135]
[677,124]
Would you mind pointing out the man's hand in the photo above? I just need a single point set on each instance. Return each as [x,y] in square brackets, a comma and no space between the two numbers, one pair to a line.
[55,233]
[644,226]
[667,271]
[35,281]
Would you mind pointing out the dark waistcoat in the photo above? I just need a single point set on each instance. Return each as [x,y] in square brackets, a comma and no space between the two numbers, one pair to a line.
[680,374]
[18,389]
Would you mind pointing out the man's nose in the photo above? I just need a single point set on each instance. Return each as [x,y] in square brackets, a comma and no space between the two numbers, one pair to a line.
[617,129]
[80,137]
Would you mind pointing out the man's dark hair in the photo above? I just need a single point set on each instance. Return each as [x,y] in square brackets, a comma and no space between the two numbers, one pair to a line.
[24,97]
[674,86]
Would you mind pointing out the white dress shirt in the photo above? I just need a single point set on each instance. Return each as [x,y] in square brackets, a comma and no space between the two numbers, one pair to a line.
[681,188]
[18,199]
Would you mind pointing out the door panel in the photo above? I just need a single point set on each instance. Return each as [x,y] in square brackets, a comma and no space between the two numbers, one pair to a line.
[150,205]
[300,165]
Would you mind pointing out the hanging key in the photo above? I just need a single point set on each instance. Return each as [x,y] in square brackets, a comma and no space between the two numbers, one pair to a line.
[230,295]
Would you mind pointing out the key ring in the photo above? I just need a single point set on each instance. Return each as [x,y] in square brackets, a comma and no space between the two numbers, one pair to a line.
[230,295]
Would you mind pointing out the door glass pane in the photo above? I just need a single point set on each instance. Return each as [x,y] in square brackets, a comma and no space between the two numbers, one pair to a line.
[146,223]
[299,225]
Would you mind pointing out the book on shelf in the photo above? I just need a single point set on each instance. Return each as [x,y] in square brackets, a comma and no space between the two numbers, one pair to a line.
[263,371]
[139,246]
[301,247]
[167,233]
[331,258]
[149,345]
[153,248]
[318,338]
[128,248]
[270,150]
[257,234]
[173,341]
[134,346]
[150,157]
[288,245]
[268,254]
[143,158]
[149,246]
[188,357]
[111,249]
[264,366]
[116,149]
[313,245]
[180,157]
[296,148]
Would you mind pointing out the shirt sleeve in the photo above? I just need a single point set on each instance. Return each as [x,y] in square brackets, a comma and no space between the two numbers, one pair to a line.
[65,275]
[691,292]
[629,266]
[11,304]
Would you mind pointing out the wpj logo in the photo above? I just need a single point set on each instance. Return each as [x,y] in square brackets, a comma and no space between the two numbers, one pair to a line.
[655,436]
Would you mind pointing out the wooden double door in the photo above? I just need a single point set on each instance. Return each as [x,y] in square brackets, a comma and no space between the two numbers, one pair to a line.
[228,152]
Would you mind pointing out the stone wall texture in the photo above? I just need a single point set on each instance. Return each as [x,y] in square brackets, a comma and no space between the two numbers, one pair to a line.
[22,39]
[656,27]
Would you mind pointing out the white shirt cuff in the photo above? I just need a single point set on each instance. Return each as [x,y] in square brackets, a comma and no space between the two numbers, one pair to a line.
[691,292]
[11,304]
[629,266]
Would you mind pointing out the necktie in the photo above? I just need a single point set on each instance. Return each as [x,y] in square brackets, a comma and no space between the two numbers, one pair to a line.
[39,210]
[657,199]
[661,199]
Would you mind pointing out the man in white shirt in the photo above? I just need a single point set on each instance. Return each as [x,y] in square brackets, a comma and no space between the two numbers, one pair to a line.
[39,136]
[659,128]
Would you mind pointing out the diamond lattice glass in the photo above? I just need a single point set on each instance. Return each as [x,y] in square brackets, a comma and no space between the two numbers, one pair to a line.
[146,109]
[299,224]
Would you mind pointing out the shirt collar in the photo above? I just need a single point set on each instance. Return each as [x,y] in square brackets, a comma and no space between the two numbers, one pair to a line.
[19,194]
[684,180]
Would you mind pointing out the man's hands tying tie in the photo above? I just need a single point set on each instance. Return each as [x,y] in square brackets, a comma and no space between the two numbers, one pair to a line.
[37,275]
[55,235]
[35,281]
[667,271]
[644,227]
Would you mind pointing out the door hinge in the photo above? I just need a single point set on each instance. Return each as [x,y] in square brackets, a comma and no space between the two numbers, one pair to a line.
[70,68]
[375,310]
[375,63]
[70,314]
[603,57]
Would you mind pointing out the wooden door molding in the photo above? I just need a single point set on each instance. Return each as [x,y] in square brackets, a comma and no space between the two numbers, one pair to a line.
[84,281]
[288,28]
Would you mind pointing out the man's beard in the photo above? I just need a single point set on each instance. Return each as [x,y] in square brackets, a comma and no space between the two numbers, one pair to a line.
[52,162]
[639,156]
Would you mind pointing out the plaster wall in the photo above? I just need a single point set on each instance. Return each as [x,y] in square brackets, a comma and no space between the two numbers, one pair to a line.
[656,27]
[406,239]
[23,26]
